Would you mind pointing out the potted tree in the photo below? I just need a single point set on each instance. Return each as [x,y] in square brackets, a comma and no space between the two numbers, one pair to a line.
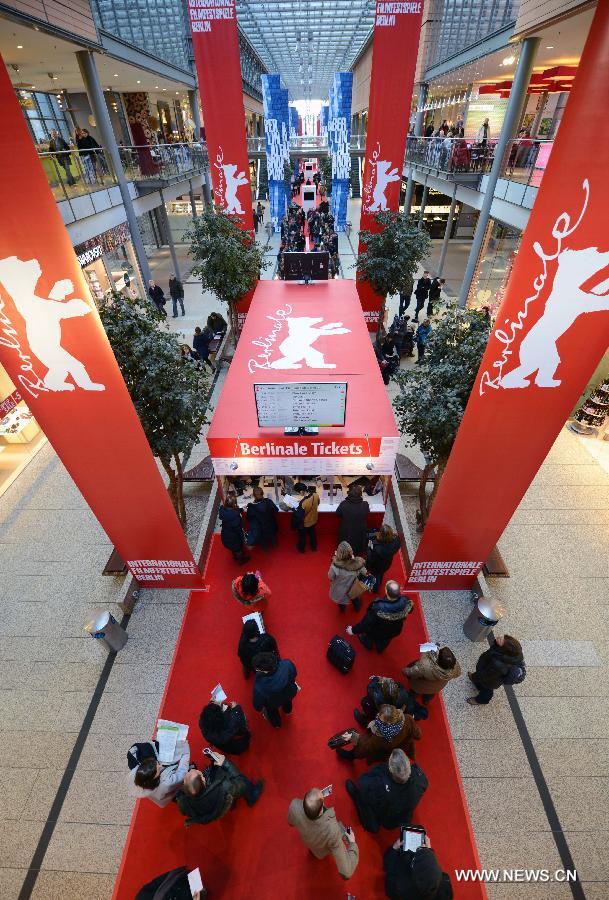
[391,255]
[170,394]
[228,259]
[434,395]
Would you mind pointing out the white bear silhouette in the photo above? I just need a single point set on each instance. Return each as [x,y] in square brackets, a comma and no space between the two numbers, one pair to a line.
[233,183]
[298,344]
[43,322]
[538,351]
[383,178]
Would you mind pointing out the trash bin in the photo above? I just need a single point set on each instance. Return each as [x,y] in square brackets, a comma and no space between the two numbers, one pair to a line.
[105,628]
[269,230]
[348,227]
[484,616]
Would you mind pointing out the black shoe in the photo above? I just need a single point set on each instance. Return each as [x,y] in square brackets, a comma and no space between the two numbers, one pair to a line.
[351,788]
[175,317]
[255,794]
[360,718]
[357,603]
[341,606]
[342,753]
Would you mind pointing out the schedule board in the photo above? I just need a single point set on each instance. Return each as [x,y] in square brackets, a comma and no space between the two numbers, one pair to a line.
[296,403]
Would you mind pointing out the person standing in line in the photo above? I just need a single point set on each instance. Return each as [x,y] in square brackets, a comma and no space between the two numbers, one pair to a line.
[262,518]
[260,212]
[415,875]
[435,291]
[176,290]
[59,148]
[322,833]
[217,323]
[389,358]
[353,513]
[387,794]
[421,337]
[154,780]
[157,295]
[432,672]
[209,794]
[343,571]
[389,730]
[406,295]
[274,686]
[382,547]
[494,668]
[200,342]
[421,293]
[250,590]
[384,619]
[251,643]
[224,725]
[256,219]
[380,691]
[309,505]
[231,532]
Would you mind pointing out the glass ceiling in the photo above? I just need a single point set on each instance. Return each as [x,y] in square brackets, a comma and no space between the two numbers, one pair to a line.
[306,41]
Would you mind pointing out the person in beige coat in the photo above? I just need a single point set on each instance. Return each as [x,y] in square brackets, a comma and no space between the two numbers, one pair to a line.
[344,569]
[322,833]
[432,672]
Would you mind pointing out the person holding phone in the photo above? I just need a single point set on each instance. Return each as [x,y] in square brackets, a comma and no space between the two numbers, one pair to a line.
[209,794]
[414,874]
[323,833]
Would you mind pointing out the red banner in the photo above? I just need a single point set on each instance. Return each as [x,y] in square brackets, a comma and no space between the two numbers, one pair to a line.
[551,331]
[397,27]
[55,350]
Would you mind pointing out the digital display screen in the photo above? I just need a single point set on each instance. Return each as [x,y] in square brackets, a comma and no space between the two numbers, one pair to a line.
[297,404]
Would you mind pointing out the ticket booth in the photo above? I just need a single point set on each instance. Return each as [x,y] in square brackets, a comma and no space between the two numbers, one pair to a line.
[304,402]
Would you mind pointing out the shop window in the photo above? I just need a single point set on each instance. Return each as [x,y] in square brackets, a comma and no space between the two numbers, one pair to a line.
[20,434]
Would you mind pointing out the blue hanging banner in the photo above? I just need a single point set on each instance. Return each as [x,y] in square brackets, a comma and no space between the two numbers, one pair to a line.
[293,112]
[277,131]
[339,144]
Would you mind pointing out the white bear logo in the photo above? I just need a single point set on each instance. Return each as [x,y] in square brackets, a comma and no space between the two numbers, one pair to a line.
[384,177]
[538,351]
[233,183]
[298,345]
[43,319]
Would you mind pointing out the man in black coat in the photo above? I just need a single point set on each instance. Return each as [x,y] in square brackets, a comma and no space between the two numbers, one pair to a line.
[208,795]
[200,342]
[353,512]
[251,643]
[422,293]
[157,295]
[274,686]
[435,290]
[493,667]
[225,726]
[176,289]
[262,518]
[387,794]
[415,876]
[384,619]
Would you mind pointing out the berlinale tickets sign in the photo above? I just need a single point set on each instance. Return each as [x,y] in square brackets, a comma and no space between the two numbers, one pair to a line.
[55,350]
[397,28]
[551,331]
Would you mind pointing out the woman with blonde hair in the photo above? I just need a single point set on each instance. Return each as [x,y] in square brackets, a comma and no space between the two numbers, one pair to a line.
[343,571]
[390,729]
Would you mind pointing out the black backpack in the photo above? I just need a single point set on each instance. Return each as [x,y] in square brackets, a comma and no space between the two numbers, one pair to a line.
[341,654]
[515,674]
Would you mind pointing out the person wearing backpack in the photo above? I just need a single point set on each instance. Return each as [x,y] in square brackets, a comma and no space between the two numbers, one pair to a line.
[501,664]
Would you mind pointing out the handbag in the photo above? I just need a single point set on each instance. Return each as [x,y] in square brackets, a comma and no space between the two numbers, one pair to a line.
[361,584]
[338,740]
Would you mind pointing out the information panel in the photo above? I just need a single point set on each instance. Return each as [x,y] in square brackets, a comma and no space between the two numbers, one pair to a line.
[297,404]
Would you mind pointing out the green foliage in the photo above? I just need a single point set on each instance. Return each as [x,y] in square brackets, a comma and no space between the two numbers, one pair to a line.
[391,255]
[434,395]
[287,171]
[229,261]
[169,394]
[325,170]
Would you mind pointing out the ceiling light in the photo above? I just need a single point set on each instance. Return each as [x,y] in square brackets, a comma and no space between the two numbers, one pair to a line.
[164,89]
[508,60]
[138,82]
[156,87]
[115,75]
[550,47]
[19,46]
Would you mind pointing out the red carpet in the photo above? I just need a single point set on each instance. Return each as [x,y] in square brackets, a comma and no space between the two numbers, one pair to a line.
[252,854]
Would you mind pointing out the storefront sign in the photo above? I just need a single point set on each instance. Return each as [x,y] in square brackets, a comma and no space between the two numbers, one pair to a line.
[96,246]
[54,348]
[394,55]
[9,403]
[552,329]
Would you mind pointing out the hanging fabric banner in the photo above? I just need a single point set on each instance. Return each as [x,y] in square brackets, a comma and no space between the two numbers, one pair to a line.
[55,350]
[339,143]
[397,27]
[277,133]
[551,331]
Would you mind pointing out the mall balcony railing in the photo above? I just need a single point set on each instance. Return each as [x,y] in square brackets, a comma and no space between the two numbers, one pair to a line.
[305,142]
[72,173]
[525,162]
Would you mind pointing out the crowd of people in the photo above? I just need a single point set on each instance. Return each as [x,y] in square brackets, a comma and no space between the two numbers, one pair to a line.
[318,225]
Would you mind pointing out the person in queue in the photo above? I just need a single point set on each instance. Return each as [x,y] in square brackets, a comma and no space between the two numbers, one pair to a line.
[387,795]
[415,875]
[250,590]
[157,295]
[390,729]
[176,292]
[224,725]
[251,643]
[231,531]
[309,505]
[421,293]
[209,794]
[172,885]
[274,686]
[153,780]
[389,358]
[353,513]
[262,518]
[322,833]
[384,619]
[200,342]
[217,323]
[431,672]
[380,691]
[421,337]
[344,570]
[494,668]
[382,547]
